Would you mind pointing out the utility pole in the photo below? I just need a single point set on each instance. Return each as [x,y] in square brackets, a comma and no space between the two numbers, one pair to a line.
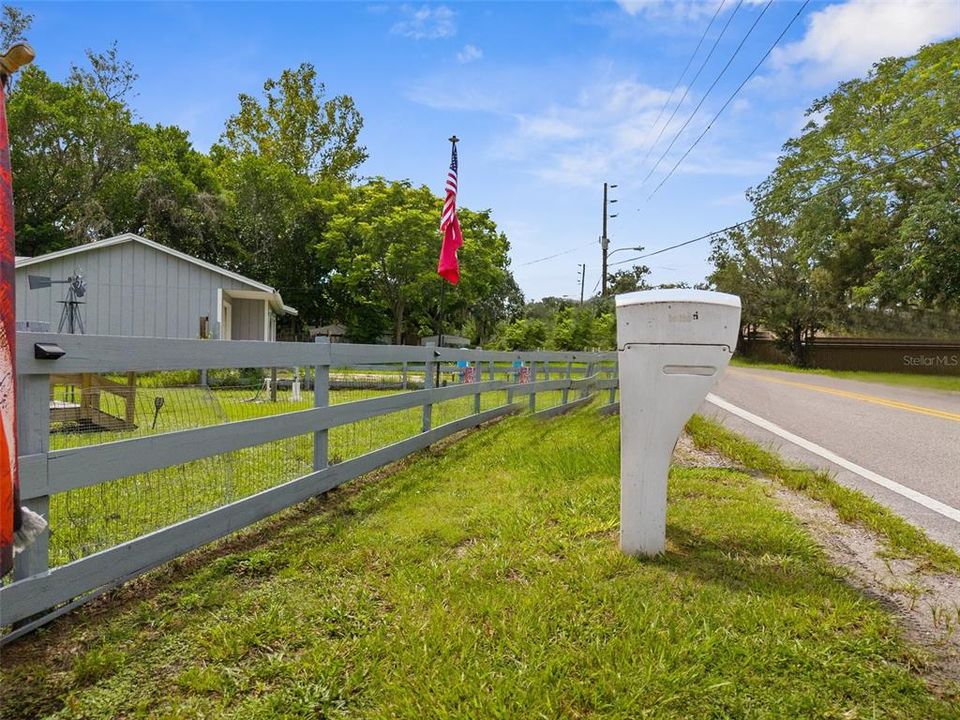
[604,240]
[583,279]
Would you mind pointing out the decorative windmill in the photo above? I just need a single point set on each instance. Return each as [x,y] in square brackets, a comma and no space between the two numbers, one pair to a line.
[70,317]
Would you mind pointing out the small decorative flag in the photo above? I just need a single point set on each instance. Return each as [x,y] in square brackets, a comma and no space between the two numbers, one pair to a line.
[449,266]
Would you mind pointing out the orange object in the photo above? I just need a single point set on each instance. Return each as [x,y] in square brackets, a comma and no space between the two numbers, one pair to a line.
[9,485]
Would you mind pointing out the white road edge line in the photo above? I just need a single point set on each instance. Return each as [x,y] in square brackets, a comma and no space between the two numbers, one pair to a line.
[892,485]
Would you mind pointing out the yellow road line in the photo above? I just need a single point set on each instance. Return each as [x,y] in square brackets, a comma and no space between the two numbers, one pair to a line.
[932,412]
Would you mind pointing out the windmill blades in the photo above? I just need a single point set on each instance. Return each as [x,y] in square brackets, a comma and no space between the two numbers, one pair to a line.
[79,285]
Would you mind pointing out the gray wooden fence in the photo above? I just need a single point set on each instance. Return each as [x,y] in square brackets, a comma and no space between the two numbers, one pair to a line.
[38,593]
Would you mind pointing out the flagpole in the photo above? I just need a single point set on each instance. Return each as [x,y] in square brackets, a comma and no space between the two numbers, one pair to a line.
[443,286]
[12,516]
[443,292]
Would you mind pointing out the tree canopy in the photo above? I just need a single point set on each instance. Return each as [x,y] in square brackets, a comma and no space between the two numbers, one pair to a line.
[862,211]
[276,198]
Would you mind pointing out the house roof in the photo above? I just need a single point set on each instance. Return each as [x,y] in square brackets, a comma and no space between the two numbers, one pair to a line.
[131,237]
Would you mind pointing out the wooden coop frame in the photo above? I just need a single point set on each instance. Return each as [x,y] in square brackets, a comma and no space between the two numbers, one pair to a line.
[87,412]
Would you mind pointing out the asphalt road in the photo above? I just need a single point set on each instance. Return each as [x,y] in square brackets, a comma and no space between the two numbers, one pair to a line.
[909,436]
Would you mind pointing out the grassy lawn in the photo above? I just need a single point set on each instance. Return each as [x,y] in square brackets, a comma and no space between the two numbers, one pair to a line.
[903,539]
[90,519]
[484,580]
[950,383]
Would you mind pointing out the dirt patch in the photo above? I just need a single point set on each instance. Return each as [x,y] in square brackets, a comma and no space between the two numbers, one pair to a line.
[926,604]
[686,454]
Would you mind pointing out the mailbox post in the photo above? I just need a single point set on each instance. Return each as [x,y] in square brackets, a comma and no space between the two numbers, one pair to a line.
[672,347]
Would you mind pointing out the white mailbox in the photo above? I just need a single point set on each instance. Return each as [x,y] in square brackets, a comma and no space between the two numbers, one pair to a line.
[673,345]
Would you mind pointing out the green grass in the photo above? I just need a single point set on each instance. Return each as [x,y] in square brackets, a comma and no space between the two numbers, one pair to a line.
[902,538]
[485,581]
[949,383]
[90,519]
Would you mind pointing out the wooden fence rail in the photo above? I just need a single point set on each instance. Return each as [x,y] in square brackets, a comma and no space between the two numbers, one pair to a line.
[39,593]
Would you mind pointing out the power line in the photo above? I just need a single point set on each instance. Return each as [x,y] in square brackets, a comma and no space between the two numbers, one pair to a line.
[709,90]
[826,188]
[555,255]
[680,79]
[865,173]
[730,99]
[685,242]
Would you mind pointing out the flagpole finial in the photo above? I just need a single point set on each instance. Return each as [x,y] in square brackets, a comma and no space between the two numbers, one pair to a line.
[454,139]
[17,56]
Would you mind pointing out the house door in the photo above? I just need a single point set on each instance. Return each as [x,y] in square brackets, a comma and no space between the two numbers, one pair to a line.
[226,329]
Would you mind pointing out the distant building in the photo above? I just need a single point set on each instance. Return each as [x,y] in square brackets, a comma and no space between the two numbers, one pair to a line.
[450,341]
[335,332]
[140,288]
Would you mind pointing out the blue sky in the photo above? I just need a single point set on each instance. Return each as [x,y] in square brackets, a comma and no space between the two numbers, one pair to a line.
[549,99]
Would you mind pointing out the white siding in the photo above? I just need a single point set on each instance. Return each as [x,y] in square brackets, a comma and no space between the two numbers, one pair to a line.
[247,319]
[132,289]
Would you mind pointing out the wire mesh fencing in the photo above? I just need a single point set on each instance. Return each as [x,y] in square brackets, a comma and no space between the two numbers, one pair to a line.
[175,459]
[98,409]
[92,409]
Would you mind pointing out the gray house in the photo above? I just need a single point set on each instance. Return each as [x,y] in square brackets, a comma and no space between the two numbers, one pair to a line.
[138,287]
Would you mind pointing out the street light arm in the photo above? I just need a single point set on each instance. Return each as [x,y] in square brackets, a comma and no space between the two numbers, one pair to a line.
[636,249]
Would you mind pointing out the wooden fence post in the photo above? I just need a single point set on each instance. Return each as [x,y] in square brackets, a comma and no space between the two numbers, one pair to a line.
[321,398]
[586,388]
[614,374]
[477,378]
[533,379]
[130,399]
[566,391]
[33,438]
[427,385]
[273,384]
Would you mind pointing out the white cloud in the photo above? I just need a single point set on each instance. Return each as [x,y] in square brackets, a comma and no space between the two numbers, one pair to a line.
[666,8]
[425,22]
[678,9]
[609,125]
[843,40]
[577,138]
[469,54]
[440,93]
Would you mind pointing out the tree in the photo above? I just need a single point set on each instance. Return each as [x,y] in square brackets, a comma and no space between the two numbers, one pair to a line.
[523,334]
[67,142]
[383,241]
[487,293]
[574,330]
[14,24]
[625,281]
[108,74]
[297,127]
[861,211]
[172,195]
[275,218]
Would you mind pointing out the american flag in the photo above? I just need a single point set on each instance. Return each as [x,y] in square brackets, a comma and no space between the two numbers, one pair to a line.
[449,265]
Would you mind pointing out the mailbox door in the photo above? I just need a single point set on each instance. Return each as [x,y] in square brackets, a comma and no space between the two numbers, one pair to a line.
[661,386]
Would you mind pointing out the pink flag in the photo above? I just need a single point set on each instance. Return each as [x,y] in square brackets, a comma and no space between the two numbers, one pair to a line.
[449,266]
